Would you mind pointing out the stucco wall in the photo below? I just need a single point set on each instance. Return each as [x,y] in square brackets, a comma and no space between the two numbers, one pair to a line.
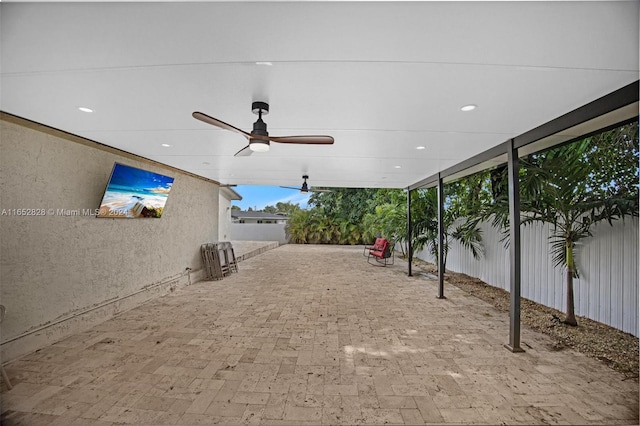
[60,274]
[224,219]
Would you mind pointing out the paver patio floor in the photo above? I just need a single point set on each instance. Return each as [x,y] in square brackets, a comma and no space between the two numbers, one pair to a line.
[312,335]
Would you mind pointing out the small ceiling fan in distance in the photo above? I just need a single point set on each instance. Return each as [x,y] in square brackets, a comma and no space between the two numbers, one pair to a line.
[259,138]
[305,188]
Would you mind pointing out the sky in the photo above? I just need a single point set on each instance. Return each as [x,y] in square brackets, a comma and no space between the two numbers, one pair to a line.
[257,197]
[132,177]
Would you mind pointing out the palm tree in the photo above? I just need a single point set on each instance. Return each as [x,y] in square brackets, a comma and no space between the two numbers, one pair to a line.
[296,229]
[467,234]
[573,188]
[388,220]
[560,187]
[349,232]
[460,221]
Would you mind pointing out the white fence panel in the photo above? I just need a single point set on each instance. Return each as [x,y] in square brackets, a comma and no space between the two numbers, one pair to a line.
[258,232]
[607,290]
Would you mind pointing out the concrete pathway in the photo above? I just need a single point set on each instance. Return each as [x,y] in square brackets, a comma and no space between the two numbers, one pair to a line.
[312,335]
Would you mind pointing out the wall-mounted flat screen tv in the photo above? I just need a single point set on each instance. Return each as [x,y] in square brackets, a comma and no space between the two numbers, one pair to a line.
[134,193]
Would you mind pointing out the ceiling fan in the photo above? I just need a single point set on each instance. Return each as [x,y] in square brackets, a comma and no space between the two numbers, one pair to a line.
[259,138]
[305,188]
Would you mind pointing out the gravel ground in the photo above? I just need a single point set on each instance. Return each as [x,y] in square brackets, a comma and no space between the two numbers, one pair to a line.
[619,350]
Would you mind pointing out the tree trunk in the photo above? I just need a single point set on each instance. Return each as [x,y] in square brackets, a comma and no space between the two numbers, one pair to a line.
[571,317]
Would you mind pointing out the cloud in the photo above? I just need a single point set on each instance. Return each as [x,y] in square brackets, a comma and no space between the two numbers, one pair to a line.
[295,198]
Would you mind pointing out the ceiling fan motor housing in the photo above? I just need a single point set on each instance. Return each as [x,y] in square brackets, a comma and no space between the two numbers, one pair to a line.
[260,127]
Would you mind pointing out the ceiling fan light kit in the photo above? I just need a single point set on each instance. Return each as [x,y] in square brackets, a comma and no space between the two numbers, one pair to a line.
[257,145]
[259,139]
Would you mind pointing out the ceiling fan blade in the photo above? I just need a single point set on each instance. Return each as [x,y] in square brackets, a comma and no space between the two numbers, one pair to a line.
[214,121]
[308,140]
[244,152]
[308,190]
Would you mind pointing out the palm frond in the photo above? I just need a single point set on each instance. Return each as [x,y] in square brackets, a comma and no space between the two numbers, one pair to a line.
[469,235]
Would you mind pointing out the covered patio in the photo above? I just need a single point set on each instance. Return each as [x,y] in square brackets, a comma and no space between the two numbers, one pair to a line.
[309,334]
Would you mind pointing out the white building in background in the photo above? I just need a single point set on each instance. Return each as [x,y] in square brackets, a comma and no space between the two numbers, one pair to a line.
[227,195]
[239,216]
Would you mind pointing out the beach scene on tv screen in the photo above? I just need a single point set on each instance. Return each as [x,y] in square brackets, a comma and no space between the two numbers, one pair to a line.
[135,193]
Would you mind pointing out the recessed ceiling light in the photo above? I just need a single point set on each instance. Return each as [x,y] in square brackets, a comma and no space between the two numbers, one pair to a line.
[421,147]
[469,107]
[397,167]
[166,145]
[85,109]
[265,63]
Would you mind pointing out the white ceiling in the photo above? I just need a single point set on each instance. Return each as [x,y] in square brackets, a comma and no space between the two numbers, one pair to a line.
[382,78]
